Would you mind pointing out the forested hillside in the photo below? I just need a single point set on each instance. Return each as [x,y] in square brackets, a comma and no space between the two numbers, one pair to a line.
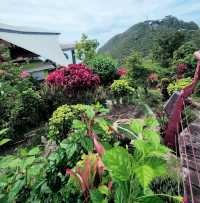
[142,37]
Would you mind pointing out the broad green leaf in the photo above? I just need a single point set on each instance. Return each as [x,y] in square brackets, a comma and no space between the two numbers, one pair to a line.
[4,141]
[103,189]
[178,198]
[90,112]
[23,152]
[118,163]
[35,170]
[70,149]
[87,143]
[151,135]
[97,197]
[3,132]
[151,148]
[151,122]
[34,151]
[10,162]
[122,192]
[153,199]
[103,124]
[145,175]
[2,196]
[137,126]
[158,165]
[16,189]
[45,189]
[77,124]
[27,162]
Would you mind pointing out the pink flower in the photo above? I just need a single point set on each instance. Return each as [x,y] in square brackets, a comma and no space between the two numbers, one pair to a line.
[181,68]
[153,77]
[122,72]
[24,74]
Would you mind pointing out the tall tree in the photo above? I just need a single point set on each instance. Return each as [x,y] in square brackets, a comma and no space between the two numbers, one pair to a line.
[165,47]
[137,73]
[86,48]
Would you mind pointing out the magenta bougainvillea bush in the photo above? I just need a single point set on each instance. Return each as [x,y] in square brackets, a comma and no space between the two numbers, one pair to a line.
[73,77]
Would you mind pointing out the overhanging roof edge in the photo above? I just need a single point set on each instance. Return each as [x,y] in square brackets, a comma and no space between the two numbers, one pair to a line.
[28,32]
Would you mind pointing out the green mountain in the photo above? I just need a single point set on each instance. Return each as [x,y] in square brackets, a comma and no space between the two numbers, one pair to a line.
[142,36]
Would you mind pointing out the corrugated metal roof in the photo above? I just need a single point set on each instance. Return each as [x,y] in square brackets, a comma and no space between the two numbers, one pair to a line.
[66,47]
[25,30]
[40,42]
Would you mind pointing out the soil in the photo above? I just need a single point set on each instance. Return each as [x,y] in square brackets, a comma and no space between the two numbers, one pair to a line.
[30,139]
[118,112]
[124,112]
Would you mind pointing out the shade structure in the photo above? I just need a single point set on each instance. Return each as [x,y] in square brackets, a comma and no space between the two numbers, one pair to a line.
[43,43]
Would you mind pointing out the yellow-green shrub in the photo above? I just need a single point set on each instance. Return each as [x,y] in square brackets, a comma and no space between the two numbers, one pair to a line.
[178,85]
[61,120]
[121,88]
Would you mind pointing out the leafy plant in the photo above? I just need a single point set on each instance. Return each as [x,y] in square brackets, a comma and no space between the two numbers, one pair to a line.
[137,73]
[87,172]
[3,134]
[86,48]
[91,155]
[105,67]
[27,112]
[121,88]
[184,55]
[164,84]
[167,44]
[178,85]
[147,161]
[61,121]
[19,173]
[12,88]
[74,77]
[167,185]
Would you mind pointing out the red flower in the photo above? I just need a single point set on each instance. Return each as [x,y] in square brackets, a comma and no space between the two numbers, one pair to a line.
[122,72]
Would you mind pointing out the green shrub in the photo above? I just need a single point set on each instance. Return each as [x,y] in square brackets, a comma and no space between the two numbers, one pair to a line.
[11,87]
[153,98]
[27,112]
[88,162]
[121,88]
[137,73]
[61,121]
[178,85]
[105,67]
[197,90]
[164,84]
[184,55]
[188,116]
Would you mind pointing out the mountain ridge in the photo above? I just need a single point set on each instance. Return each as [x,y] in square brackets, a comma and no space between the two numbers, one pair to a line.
[141,36]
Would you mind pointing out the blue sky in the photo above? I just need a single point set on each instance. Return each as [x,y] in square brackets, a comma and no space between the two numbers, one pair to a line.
[100,19]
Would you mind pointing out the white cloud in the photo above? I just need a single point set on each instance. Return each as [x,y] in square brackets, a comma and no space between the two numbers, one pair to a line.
[100,19]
